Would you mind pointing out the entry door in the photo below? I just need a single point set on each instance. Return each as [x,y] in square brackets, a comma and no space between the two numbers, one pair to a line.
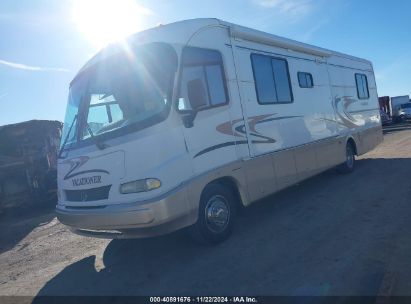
[271,119]
[267,103]
[265,119]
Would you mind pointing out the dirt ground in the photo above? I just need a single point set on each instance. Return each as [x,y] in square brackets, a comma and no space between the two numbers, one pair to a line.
[330,235]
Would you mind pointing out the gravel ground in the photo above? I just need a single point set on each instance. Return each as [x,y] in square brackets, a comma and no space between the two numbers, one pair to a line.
[330,235]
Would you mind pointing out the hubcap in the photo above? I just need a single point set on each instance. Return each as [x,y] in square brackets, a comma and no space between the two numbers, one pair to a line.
[350,157]
[217,213]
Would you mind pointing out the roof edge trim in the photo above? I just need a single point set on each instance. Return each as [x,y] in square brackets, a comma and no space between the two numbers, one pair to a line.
[244,33]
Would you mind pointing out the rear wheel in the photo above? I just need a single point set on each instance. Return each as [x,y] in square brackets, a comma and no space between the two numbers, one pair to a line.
[215,215]
[349,164]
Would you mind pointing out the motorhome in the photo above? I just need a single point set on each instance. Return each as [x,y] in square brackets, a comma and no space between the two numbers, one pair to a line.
[180,125]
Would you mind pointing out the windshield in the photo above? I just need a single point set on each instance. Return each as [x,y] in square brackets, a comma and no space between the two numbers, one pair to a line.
[406,106]
[120,94]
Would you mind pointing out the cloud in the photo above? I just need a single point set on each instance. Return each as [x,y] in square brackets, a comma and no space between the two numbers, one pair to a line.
[22,66]
[3,95]
[291,8]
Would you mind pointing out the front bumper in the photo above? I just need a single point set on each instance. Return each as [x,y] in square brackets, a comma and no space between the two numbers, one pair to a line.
[141,219]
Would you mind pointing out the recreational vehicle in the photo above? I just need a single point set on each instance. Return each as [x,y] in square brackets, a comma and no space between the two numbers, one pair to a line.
[180,125]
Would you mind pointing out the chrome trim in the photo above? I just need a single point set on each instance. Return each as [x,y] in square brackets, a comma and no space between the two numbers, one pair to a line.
[217,213]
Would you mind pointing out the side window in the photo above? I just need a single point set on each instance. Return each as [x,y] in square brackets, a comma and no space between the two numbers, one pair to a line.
[98,116]
[362,86]
[206,66]
[272,79]
[115,112]
[264,79]
[103,111]
[305,80]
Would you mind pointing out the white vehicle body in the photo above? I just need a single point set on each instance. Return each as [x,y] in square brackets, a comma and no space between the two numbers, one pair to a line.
[396,103]
[255,149]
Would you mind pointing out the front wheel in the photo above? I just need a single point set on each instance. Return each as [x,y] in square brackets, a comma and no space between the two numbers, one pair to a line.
[215,216]
[348,165]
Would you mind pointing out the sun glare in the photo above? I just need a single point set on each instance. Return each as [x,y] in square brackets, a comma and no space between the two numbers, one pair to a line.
[106,21]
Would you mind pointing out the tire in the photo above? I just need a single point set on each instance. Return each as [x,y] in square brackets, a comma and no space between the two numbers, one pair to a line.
[349,164]
[210,229]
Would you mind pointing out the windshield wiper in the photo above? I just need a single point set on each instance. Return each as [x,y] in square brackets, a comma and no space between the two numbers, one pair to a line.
[67,136]
[99,144]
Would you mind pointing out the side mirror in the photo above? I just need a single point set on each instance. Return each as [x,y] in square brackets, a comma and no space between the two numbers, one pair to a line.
[197,99]
[188,115]
[188,118]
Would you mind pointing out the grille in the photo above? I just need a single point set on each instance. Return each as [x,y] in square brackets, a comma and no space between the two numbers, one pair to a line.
[88,195]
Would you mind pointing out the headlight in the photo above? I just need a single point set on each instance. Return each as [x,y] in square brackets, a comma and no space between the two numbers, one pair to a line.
[141,185]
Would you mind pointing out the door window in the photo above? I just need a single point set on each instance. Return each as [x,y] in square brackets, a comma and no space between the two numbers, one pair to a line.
[207,66]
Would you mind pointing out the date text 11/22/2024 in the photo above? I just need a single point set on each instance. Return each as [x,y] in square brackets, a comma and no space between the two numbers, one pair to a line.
[203,300]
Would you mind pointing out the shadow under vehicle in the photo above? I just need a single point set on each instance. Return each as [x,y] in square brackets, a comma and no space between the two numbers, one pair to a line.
[315,240]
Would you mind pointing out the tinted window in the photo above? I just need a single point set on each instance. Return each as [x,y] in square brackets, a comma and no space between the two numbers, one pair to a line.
[197,56]
[305,80]
[362,86]
[282,83]
[272,80]
[264,79]
[191,73]
[206,65]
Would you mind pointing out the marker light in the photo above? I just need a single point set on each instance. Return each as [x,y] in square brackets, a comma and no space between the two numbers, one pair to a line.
[142,185]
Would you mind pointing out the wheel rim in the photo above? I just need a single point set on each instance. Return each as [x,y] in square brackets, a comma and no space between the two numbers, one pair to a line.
[350,157]
[217,214]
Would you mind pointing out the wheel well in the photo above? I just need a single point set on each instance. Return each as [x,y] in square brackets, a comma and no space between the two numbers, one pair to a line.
[352,143]
[231,184]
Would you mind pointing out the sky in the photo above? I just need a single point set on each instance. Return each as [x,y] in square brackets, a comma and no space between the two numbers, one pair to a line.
[45,42]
